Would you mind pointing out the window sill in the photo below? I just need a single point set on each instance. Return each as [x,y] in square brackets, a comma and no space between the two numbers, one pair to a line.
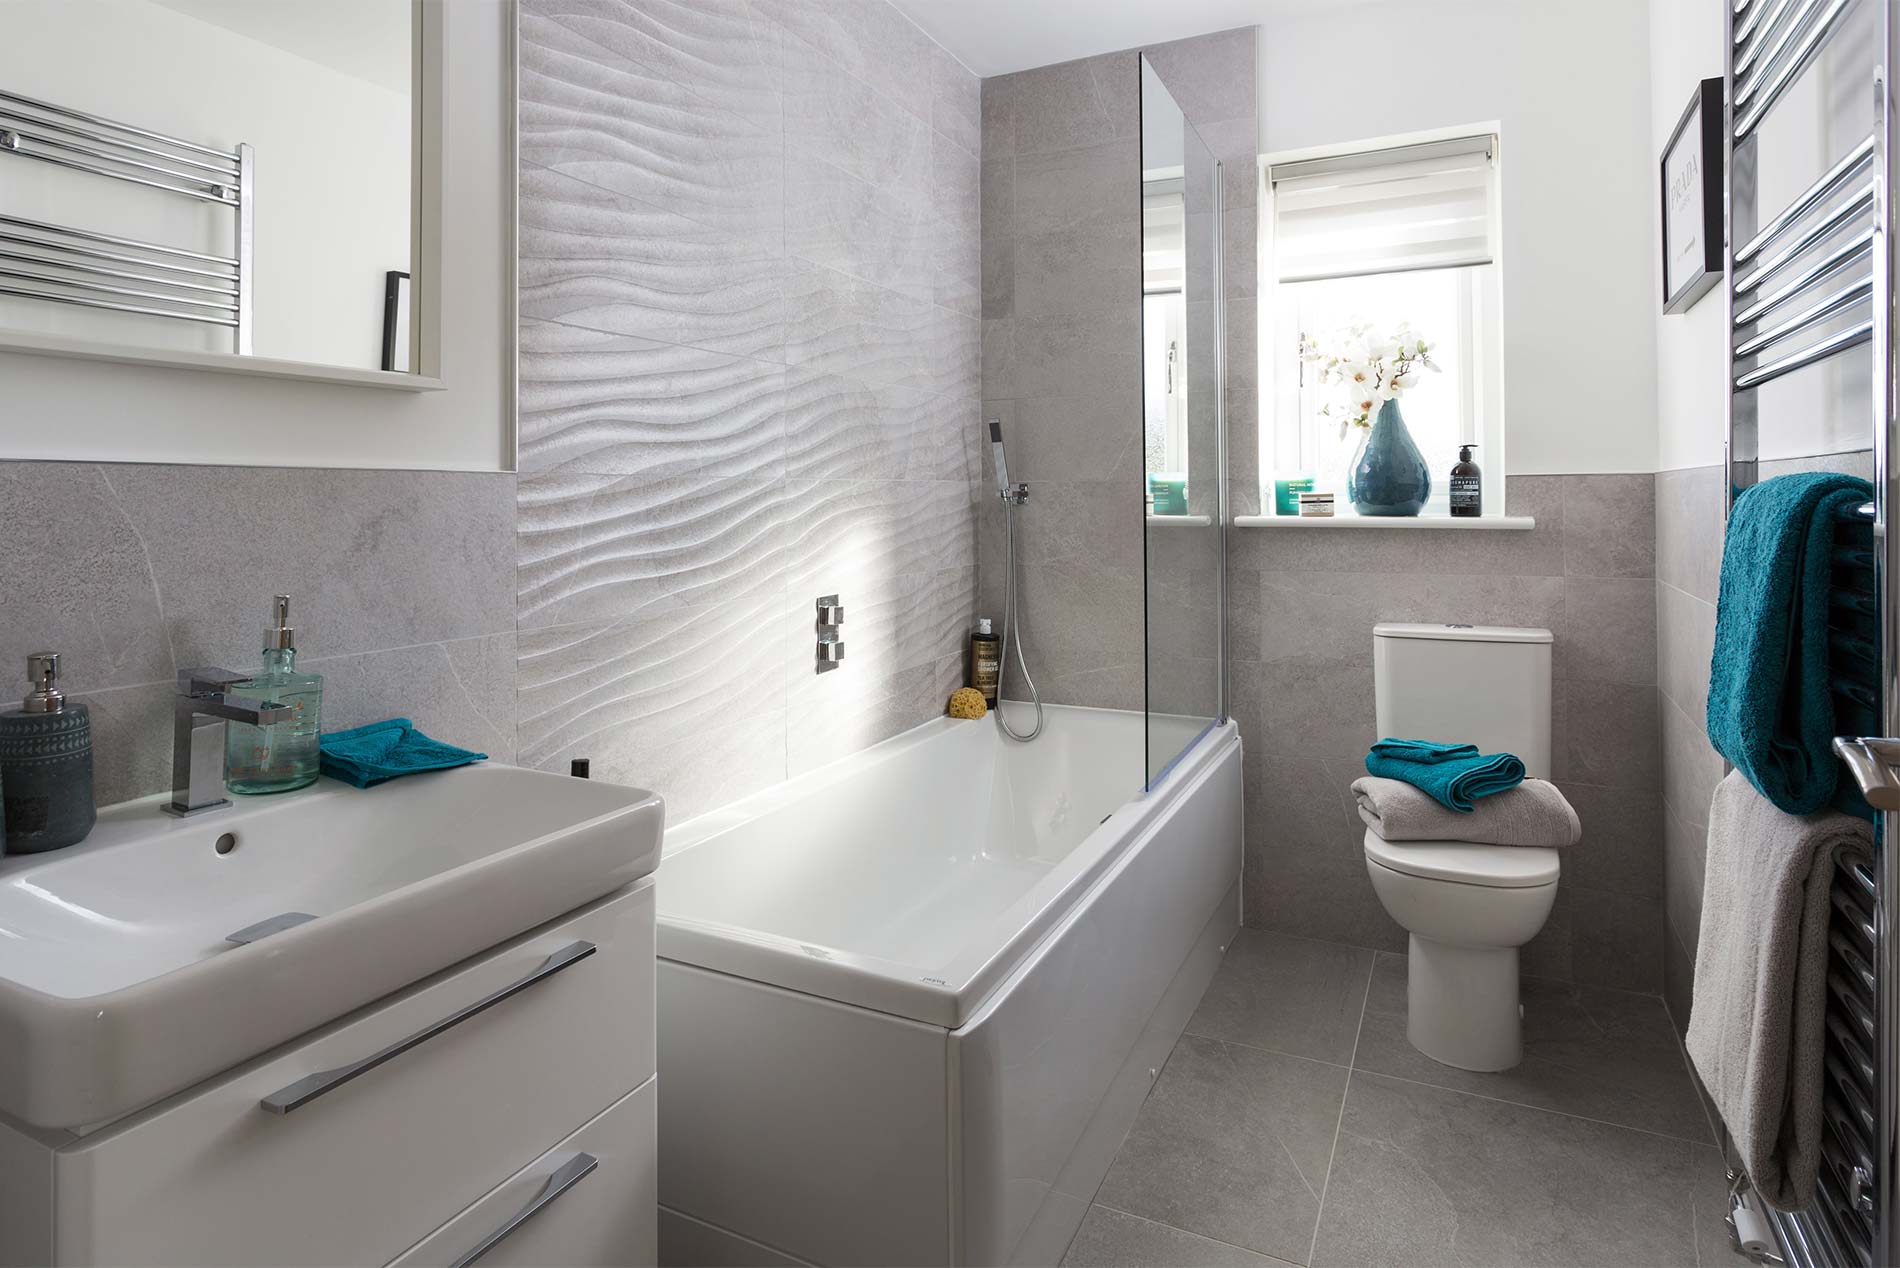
[1180,521]
[1509,523]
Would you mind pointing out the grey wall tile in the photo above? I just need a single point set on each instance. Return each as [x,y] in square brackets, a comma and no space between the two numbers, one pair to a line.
[1692,768]
[1678,981]
[1621,850]
[621,125]
[1611,735]
[142,569]
[619,405]
[690,701]
[462,692]
[868,39]
[1608,633]
[956,102]
[1616,939]
[1610,526]
[373,559]
[1686,847]
[590,257]
[79,580]
[1211,77]
[594,548]
[1685,645]
[1074,104]
[1689,521]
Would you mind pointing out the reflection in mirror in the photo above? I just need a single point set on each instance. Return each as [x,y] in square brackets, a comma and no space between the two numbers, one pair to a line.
[1181,423]
[209,176]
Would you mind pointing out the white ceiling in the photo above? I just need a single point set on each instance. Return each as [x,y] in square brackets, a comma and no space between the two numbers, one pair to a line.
[365,38]
[995,37]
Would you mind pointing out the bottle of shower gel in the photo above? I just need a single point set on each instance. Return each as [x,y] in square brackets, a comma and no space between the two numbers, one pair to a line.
[283,755]
[986,661]
[46,765]
[1467,486]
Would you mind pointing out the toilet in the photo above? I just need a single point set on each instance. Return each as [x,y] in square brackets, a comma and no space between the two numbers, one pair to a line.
[1467,907]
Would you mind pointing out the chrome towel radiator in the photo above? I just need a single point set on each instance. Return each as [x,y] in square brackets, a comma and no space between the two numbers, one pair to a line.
[67,264]
[1807,283]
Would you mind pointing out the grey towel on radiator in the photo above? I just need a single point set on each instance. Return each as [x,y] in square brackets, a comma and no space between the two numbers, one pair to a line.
[1533,813]
[1756,1022]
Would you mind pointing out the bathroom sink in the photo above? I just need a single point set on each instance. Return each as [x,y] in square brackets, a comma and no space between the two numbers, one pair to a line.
[119,979]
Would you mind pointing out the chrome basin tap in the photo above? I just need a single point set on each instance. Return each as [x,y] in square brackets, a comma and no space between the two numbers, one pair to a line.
[201,707]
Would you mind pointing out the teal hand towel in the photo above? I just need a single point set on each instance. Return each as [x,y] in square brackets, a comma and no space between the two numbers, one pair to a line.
[1429,751]
[1770,710]
[1453,775]
[383,751]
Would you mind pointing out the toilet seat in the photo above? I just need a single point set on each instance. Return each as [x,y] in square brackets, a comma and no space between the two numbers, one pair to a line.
[1466,862]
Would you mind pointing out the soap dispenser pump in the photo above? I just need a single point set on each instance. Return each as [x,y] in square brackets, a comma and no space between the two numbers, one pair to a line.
[279,756]
[46,765]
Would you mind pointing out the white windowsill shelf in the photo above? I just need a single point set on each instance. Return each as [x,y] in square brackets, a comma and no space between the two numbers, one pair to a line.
[1181,521]
[1512,523]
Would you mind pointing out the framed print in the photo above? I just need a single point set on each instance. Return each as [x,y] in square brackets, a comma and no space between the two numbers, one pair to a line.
[1692,186]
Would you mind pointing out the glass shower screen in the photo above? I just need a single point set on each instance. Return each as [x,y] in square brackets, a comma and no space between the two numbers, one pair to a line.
[1183,427]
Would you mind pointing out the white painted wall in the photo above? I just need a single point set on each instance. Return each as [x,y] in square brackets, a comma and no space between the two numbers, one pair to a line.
[1821,410]
[332,164]
[60,408]
[1568,80]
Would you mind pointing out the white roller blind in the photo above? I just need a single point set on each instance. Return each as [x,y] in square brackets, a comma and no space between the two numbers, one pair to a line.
[1385,211]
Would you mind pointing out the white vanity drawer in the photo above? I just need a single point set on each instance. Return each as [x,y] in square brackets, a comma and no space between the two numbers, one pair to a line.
[593,1199]
[362,1171]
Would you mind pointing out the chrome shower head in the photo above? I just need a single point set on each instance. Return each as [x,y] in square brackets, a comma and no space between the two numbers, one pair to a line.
[997,459]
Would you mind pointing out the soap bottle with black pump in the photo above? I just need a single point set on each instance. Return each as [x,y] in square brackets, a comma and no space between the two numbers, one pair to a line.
[986,661]
[1467,486]
[281,755]
[46,765]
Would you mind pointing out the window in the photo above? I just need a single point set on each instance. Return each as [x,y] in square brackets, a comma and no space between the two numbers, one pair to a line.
[1387,236]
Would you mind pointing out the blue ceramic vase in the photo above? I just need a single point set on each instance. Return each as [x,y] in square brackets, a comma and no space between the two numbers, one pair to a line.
[1388,475]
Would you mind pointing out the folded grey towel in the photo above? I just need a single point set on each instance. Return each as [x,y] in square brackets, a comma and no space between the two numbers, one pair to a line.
[1757,1015]
[1533,813]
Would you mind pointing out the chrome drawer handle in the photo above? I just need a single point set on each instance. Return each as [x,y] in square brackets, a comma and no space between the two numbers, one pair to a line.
[569,1174]
[311,1086]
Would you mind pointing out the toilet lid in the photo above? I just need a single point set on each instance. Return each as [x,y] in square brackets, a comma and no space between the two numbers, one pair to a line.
[1499,866]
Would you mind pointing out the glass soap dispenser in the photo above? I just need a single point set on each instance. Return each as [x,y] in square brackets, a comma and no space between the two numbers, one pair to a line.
[283,755]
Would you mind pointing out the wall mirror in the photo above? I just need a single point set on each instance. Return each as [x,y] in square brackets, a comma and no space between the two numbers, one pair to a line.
[224,184]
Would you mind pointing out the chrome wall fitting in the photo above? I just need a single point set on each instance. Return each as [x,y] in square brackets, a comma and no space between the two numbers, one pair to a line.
[830,646]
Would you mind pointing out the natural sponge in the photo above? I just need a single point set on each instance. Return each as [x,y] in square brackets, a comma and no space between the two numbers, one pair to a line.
[967,702]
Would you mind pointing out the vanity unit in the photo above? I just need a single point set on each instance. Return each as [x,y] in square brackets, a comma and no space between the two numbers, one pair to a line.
[411,1025]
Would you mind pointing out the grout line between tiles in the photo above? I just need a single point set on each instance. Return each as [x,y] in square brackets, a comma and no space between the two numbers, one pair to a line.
[1339,1123]
[1539,1109]
[1190,1232]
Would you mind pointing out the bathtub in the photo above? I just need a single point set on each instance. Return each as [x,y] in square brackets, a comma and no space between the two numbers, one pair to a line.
[910,1003]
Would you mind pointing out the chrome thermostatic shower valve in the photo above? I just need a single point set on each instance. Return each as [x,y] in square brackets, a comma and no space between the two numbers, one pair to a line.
[1014,494]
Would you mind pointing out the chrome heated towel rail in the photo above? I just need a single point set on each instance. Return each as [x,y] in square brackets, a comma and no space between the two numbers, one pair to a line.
[66,264]
[1806,284]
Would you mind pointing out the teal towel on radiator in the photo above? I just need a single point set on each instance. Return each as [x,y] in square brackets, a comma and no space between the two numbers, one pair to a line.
[1453,775]
[383,751]
[1770,709]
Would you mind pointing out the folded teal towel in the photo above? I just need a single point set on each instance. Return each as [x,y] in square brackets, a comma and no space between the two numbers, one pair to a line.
[1429,751]
[1453,775]
[1770,709]
[383,751]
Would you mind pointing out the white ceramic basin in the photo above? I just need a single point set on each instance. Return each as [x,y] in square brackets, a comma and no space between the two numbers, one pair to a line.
[118,986]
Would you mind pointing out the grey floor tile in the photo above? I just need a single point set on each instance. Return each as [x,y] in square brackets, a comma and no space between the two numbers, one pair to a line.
[1425,1176]
[1232,1144]
[1291,995]
[1112,1239]
[1596,1053]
